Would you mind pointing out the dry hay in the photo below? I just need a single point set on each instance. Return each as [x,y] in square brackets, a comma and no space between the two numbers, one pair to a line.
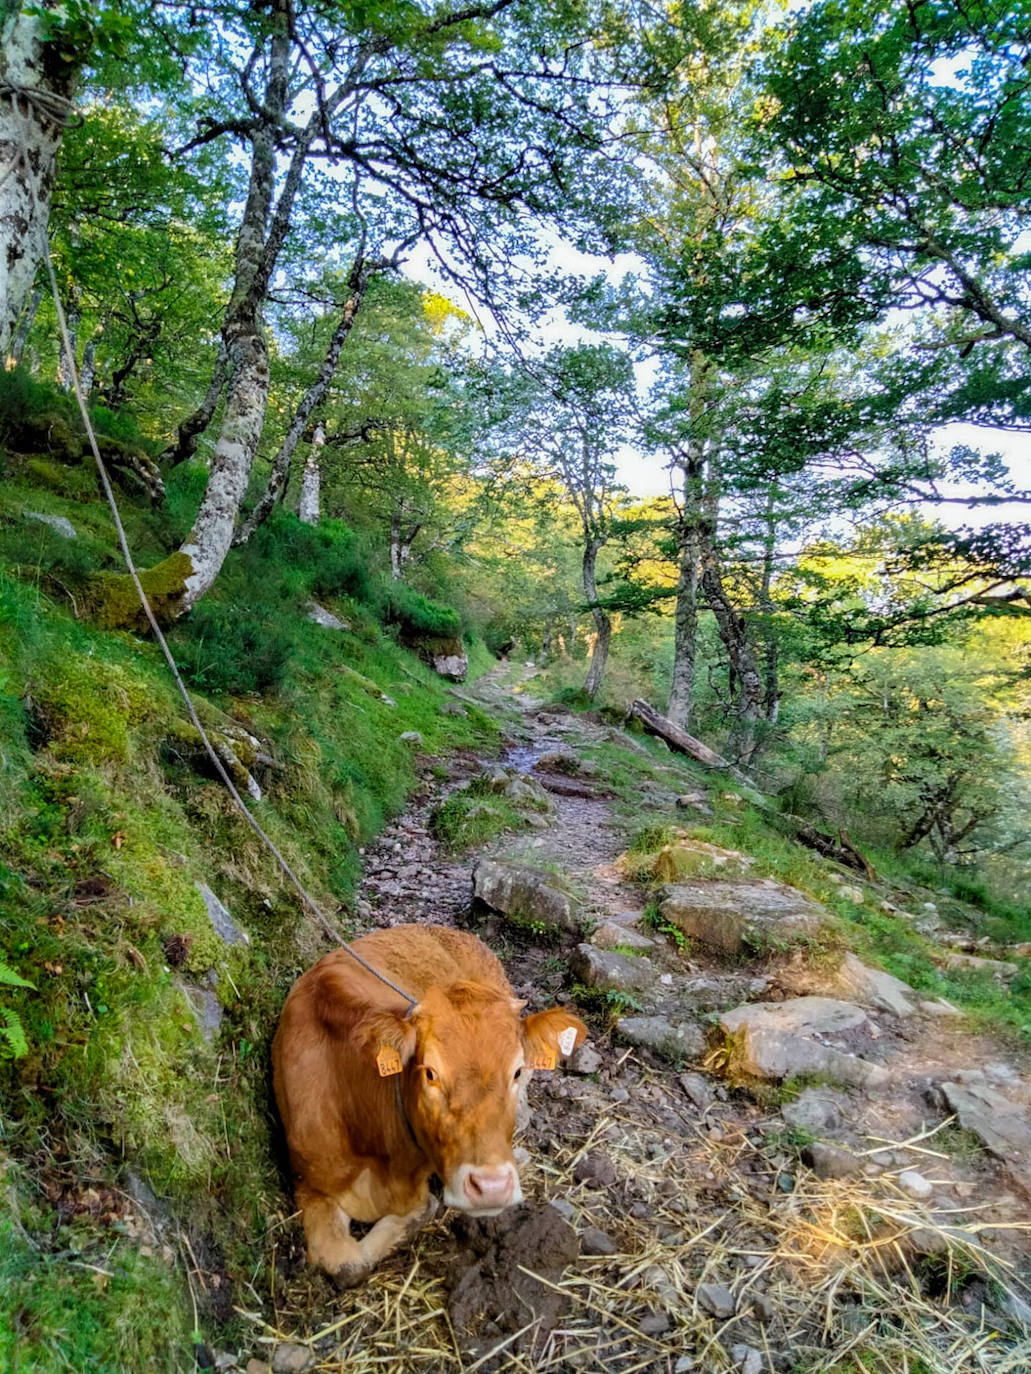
[829,1276]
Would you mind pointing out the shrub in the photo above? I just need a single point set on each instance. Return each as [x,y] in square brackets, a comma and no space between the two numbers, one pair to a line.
[327,559]
[418,617]
[238,650]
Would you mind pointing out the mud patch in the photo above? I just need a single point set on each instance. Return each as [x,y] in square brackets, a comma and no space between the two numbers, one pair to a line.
[498,1294]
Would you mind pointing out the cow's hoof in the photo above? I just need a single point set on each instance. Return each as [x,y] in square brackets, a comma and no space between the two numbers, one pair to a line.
[351,1275]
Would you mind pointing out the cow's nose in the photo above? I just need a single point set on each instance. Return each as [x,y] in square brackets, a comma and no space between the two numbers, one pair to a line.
[490,1187]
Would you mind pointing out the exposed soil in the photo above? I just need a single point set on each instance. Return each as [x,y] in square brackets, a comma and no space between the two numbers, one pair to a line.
[705,1243]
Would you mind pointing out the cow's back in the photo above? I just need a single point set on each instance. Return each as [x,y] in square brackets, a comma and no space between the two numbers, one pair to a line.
[420,957]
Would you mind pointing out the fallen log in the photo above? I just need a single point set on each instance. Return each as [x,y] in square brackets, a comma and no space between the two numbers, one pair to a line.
[684,743]
[841,850]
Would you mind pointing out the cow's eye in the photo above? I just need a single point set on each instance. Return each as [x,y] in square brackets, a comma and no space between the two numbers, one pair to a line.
[517,1075]
[431,1075]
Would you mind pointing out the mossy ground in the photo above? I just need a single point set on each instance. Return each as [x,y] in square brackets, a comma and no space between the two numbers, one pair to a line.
[109,818]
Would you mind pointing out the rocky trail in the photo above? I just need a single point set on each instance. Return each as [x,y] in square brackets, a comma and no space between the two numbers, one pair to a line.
[768,1156]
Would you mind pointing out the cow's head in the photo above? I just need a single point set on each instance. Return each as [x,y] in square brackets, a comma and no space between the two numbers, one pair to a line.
[464,1056]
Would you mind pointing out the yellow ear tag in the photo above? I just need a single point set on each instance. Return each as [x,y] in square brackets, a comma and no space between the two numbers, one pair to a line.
[545,1059]
[388,1061]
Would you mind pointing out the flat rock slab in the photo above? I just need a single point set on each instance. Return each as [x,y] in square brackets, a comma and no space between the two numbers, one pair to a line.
[973,963]
[523,892]
[612,972]
[1001,1124]
[800,1016]
[729,916]
[611,935]
[672,1039]
[873,987]
[781,1040]
[225,927]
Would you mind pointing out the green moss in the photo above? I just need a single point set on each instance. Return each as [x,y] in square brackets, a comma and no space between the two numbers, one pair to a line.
[88,707]
[114,1309]
[465,820]
[114,603]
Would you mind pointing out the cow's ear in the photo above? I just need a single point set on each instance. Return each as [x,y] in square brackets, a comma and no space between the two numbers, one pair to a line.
[391,1042]
[549,1035]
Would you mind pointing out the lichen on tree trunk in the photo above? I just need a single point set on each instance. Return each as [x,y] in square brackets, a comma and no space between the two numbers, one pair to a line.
[39,63]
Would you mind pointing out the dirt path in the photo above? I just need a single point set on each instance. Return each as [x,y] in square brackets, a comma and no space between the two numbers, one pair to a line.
[705,1242]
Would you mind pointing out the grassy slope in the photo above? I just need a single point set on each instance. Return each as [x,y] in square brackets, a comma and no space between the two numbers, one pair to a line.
[884,938]
[108,820]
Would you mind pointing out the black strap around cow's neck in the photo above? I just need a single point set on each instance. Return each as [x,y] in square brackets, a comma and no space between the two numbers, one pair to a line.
[404,1114]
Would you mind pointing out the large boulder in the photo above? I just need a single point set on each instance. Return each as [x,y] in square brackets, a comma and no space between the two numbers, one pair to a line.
[873,987]
[454,667]
[523,893]
[781,1040]
[611,972]
[733,916]
[673,1039]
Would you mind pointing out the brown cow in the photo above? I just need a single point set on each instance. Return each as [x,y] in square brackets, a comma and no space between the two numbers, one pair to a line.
[376,1098]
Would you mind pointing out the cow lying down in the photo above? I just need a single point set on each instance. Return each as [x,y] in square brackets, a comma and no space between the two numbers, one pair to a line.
[375,1101]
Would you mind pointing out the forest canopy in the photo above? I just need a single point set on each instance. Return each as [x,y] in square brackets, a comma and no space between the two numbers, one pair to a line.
[320,254]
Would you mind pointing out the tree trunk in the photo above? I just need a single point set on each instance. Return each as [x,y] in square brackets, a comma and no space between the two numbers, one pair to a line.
[88,373]
[680,740]
[65,365]
[358,284]
[734,635]
[698,498]
[771,652]
[395,545]
[28,319]
[685,629]
[194,425]
[308,508]
[257,249]
[603,625]
[39,63]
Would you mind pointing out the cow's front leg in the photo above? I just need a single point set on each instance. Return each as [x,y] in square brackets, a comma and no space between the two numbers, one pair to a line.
[388,1235]
[327,1228]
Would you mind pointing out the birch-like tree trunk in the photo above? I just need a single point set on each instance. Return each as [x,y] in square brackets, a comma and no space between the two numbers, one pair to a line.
[88,372]
[358,284]
[28,319]
[243,333]
[602,622]
[309,505]
[38,68]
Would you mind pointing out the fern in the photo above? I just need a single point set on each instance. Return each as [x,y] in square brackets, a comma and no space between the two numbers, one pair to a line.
[12,1034]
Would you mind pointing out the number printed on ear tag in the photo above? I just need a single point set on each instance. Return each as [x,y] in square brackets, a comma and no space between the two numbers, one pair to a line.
[388,1061]
[544,1059]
